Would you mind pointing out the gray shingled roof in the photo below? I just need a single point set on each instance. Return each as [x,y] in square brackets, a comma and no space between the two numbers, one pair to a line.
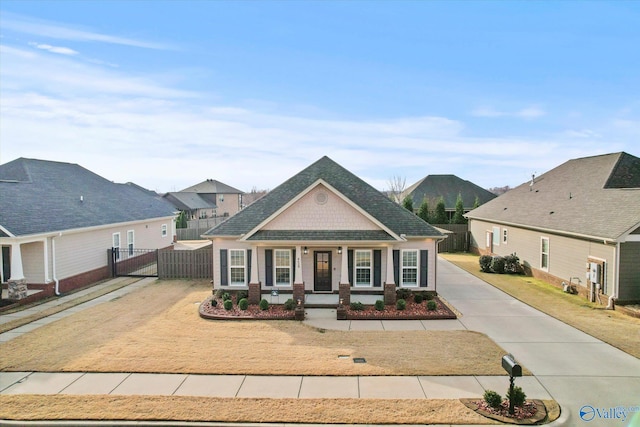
[393,216]
[448,187]
[595,196]
[186,201]
[211,186]
[40,196]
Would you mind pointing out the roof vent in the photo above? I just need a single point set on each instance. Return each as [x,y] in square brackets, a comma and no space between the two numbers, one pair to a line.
[81,199]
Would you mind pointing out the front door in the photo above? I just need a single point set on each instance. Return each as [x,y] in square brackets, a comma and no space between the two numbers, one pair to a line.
[322,272]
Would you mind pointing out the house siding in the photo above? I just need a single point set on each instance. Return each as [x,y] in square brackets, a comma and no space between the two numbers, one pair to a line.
[567,256]
[630,274]
[334,214]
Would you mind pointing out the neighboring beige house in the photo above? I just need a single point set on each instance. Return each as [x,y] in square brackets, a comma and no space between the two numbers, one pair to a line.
[578,223]
[208,199]
[58,221]
[319,231]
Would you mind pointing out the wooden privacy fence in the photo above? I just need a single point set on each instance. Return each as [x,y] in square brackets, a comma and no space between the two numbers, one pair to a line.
[179,264]
[458,240]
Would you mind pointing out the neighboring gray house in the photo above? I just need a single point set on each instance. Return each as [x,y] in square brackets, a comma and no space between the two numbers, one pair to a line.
[57,221]
[319,231]
[208,199]
[578,223]
[433,187]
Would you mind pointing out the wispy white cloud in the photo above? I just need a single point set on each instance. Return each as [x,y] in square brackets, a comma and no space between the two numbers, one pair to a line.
[61,31]
[54,49]
[531,112]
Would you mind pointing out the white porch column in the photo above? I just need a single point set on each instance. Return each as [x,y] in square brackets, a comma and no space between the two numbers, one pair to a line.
[47,277]
[17,273]
[299,278]
[255,275]
[344,268]
[390,278]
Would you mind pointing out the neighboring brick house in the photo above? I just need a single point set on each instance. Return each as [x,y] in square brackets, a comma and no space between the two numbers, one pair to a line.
[208,199]
[447,187]
[319,231]
[57,221]
[578,223]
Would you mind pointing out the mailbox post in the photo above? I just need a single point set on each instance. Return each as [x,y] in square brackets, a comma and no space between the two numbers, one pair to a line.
[514,369]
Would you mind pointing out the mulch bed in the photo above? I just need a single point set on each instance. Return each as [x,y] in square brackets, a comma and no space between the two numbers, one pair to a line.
[218,312]
[531,413]
[413,311]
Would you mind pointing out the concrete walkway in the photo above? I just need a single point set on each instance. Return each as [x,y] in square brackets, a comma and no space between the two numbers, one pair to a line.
[575,369]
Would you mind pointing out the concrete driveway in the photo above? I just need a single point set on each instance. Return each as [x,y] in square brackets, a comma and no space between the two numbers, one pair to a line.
[598,383]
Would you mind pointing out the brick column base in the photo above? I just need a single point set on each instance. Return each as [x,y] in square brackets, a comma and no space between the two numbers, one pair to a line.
[254,293]
[390,294]
[298,292]
[17,289]
[341,312]
[299,312]
[344,293]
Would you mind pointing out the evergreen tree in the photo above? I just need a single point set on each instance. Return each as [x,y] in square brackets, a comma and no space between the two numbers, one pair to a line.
[407,203]
[441,215]
[458,217]
[423,211]
[476,203]
[181,221]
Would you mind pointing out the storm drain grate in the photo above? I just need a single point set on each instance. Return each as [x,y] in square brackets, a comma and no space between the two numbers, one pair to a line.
[359,360]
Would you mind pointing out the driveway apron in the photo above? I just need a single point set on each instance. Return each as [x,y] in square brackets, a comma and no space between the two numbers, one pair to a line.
[592,379]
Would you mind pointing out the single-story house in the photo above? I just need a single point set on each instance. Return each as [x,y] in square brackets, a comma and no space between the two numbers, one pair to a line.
[578,223]
[322,230]
[447,187]
[58,221]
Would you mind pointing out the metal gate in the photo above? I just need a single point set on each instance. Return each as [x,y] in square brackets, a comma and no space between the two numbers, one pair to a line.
[133,262]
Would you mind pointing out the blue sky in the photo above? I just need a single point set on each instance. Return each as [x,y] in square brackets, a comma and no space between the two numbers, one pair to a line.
[167,94]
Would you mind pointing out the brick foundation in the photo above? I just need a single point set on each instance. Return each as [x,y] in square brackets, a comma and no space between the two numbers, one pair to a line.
[344,293]
[254,293]
[390,294]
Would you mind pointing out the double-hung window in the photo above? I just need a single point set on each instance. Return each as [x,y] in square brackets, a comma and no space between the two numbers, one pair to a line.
[282,267]
[237,266]
[116,244]
[544,253]
[363,266]
[130,242]
[163,230]
[410,267]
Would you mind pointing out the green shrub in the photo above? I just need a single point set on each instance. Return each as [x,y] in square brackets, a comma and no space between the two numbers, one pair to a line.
[428,296]
[264,304]
[357,306]
[226,296]
[241,294]
[485,263]
[403,293]
[379,305]
[493,399]
[512,264]
[214,302]
[243,304]
[401,304]
[497,265]
[289,304]
[418,298]
[518,397]
[228,304]
[432,305]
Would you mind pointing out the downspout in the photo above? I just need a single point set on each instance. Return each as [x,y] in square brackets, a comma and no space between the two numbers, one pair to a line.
[616,280]
[53,258]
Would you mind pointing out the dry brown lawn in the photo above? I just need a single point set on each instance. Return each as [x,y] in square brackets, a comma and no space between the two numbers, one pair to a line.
[620,330]
[180,408]
[157,329]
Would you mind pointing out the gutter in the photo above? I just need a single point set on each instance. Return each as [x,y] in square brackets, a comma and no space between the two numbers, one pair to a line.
[53,258]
